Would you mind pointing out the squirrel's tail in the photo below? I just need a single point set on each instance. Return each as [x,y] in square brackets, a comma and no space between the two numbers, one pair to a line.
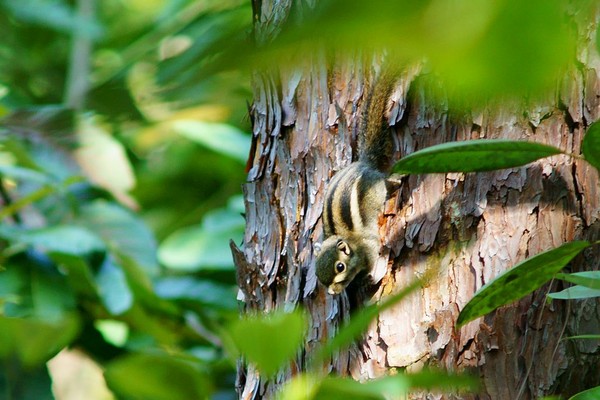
[375,142]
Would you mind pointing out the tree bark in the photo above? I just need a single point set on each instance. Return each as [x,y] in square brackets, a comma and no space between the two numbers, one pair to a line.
[467,227]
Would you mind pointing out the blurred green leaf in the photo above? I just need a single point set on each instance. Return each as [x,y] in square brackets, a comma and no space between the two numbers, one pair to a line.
[589,279]
[473,156]
[204,246]
[34,341]
[156,377]
[575,292]
[26,384]
[308,387]
[25,174]
[591,145]
[269,340]
[113,288]
[51,297]
[519,281]
[52,14]
[203,291]
[590,394]
[122,232]
[114,332]
[68,239]
[223,138]
[79,275]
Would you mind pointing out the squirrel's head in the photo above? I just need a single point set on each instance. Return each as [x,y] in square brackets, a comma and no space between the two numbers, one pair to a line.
[338,263]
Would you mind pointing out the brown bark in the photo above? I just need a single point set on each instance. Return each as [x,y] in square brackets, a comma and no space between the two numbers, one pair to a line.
[469,227]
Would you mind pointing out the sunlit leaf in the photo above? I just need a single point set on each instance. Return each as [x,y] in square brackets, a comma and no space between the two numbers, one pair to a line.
[156,377]
[113,331]
[473,156]
[591,145]
[269,340]
[104,161]
[223,138]
[205,246]
[520,280]
[122,231]
[34,341]
[311,387]
[590,394]
[575,292]
[113,288]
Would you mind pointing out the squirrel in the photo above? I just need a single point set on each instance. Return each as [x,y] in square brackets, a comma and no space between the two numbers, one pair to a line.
[355,197]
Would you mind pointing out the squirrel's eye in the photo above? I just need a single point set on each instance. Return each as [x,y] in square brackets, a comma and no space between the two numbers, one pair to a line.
[340,267]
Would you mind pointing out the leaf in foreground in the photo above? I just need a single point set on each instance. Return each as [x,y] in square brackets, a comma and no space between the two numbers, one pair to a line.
[473,156]
[34,341]
[519,281]
[331,388]
[156,377]
[589,279]
[269,341]
[591,145]
[590,394]
[575,292]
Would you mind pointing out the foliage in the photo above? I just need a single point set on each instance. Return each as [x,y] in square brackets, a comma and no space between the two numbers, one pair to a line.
[115,221]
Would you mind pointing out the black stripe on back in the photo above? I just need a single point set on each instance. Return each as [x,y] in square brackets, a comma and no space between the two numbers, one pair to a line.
[329,206]
[346,204]
[363,186]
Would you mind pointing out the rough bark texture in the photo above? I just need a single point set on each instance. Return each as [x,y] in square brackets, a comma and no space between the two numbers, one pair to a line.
[469,227]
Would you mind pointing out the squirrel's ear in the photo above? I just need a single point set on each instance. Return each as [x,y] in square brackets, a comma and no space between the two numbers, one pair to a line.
[343,247]
[317,247]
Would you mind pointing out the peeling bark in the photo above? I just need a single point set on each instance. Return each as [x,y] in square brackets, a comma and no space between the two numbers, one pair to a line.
[469,227]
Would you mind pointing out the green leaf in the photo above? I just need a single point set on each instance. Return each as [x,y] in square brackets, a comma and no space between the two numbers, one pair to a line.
[223,138]
[575,292]
[68,239]
[394,386]
[113,331]
[591,145]
[582,337]
[361,320]
[519,281]
[79,275]
[50,296]
[53,14]
[590,394]
[25,174]
[32,341]
[473,156]
[113,288]
[205,246]
[189,288]
[122,231]
[589,279]
[26,384]
[156,377]
[270,340]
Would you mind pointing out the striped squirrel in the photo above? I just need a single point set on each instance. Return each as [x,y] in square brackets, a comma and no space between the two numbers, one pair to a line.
[355,197]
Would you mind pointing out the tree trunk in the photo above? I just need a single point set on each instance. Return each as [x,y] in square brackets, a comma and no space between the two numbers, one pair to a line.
[469,227]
